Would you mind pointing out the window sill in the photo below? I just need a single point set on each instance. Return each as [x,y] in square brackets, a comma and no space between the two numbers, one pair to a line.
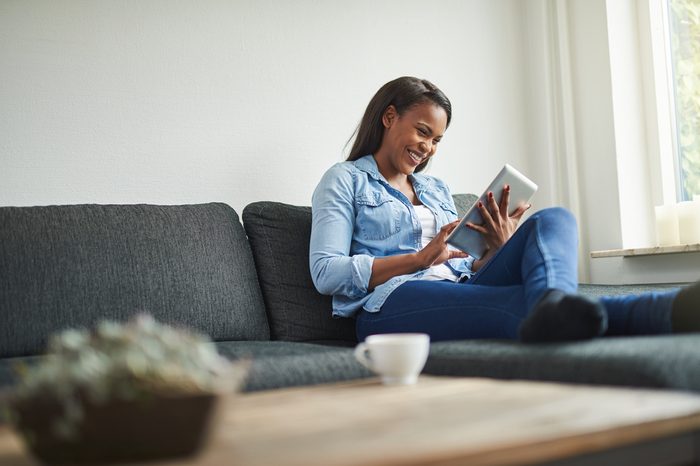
[655,251]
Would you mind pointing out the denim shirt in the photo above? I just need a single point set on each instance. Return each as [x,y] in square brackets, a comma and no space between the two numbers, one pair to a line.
[358,216]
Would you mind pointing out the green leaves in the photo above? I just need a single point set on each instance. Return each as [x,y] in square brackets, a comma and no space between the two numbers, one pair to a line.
[685,47]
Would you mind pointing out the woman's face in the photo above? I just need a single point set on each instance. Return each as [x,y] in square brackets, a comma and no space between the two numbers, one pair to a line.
[412,138]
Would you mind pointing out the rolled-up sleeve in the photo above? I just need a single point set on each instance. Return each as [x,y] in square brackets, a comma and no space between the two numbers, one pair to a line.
[333,270]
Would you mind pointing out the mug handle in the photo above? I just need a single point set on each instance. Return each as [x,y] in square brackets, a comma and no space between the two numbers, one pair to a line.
[363,356]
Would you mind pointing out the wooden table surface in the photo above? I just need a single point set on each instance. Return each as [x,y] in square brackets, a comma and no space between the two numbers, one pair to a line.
[440,420]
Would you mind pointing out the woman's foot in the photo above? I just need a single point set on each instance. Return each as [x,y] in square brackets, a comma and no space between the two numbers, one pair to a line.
[685,316]
[564,317]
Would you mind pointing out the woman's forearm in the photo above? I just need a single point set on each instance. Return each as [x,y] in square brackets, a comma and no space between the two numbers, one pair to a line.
[385,268]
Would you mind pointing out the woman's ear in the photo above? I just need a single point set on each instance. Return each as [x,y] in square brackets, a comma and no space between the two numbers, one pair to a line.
[390,115]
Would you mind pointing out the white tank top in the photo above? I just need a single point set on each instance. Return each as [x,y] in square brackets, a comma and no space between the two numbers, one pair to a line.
[429,230]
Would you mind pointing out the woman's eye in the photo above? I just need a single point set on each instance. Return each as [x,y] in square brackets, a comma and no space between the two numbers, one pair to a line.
[422,132]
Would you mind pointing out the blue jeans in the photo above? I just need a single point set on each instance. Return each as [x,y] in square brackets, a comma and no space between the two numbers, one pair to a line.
[540,256]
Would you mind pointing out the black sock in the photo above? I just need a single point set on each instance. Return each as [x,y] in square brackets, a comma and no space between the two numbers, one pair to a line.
[685,314]
[564,317]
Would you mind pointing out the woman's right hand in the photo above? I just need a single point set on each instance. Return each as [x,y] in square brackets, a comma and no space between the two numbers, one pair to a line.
[437,251]
[434,253]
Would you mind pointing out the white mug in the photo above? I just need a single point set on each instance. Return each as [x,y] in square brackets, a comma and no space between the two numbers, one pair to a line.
[397,357]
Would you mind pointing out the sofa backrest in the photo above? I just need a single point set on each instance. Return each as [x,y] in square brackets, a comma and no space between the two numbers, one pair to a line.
[71,266]
[279,237]
[463,202]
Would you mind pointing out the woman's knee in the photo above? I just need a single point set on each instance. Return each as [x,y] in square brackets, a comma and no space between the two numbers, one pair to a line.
[558,215]
[553,220]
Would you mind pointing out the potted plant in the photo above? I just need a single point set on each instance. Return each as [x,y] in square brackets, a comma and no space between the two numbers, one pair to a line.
[122,392]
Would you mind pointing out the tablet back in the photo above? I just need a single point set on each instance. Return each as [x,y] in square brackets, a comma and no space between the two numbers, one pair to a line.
[521,191]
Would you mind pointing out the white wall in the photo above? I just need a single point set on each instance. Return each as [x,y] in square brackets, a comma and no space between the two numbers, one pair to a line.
[169,102]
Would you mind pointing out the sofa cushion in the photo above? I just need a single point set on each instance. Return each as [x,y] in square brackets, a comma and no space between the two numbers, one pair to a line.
[596,291]
[668,361]
[463,202]
[279,237]
[277,364]
[68,266]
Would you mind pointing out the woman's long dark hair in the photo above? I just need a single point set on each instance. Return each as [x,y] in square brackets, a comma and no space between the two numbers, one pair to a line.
[403,93]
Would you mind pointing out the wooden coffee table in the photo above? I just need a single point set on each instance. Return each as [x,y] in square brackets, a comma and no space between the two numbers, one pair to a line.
[446,421]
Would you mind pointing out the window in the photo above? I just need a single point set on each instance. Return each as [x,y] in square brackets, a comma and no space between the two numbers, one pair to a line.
[683,18]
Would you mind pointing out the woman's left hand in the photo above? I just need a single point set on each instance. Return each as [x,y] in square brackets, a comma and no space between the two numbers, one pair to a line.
[498,226]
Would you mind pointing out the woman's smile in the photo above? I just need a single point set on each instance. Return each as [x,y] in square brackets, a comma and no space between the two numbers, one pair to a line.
[416,156]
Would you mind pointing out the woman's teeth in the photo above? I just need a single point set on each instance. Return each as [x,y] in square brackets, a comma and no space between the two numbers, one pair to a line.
[415,156]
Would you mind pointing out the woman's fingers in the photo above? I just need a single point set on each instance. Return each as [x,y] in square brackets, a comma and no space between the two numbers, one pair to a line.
[455,254]
[476,227]
[505,200]
[437,250]
[517,215]
[494,208]
[445,230]
[448,227]
[486,214]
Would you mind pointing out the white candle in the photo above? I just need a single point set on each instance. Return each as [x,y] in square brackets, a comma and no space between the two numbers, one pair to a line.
[689,222]
[666,225]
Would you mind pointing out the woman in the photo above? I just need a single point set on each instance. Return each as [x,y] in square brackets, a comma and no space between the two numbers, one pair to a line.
[378,246]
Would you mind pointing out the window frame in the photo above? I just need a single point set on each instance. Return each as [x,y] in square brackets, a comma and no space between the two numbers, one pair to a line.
[663,151]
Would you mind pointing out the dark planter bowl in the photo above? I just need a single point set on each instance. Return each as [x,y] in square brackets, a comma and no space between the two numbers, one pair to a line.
[117,431]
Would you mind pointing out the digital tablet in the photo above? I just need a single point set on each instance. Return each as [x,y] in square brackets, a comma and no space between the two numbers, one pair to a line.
[521,190]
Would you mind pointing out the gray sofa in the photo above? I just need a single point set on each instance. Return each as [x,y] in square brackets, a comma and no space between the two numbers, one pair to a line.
[248,287]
